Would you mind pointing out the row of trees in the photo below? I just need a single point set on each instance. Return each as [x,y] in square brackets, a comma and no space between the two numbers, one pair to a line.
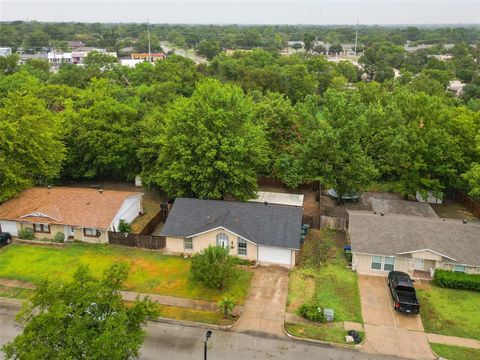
[35,35]
[209,130]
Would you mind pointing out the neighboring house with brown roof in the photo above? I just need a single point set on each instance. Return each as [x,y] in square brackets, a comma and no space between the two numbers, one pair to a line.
[80,213]
[416,245]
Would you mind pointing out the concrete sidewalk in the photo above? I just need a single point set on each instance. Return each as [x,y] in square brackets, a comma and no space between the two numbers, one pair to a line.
[453,340]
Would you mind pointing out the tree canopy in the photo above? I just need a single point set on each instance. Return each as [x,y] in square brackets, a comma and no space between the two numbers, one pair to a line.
[85,318]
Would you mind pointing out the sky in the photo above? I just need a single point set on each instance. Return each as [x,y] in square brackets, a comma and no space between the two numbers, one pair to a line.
[318,12]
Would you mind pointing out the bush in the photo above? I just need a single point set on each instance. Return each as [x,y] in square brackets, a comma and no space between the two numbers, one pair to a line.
[213,267]
[311,312]
[457,280]
[124,226]
[26,234]
[59,237]
[226,306]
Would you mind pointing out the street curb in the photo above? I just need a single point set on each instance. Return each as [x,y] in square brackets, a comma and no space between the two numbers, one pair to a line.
[321,342]
[194,323]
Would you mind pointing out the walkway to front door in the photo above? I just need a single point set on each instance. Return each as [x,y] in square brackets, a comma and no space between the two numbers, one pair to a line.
[264,310]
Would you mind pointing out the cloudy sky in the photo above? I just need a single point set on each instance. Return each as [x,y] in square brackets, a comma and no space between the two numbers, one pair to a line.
[246,11]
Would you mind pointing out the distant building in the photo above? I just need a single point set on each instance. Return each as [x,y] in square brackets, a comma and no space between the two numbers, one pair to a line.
[74,57]
[456,87]
[74,45]
[145,56]
[24,57]
[5,51]
[131,62]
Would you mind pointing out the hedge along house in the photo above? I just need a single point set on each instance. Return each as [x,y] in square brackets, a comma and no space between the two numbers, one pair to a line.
[414,244]
[79,213]
[266,233]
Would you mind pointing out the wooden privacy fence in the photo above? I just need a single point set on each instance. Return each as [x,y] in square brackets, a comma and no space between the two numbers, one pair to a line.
[472,204]
[136,240]
[333,223]
[160,217]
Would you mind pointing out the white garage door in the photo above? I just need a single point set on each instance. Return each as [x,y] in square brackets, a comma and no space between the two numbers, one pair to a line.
[9,226]
[274,255]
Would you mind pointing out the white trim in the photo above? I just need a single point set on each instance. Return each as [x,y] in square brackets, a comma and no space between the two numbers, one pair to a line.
[435,252]
[243,237]
[39,214]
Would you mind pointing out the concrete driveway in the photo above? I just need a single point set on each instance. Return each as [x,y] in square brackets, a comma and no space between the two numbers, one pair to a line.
[264,310]
[389,331]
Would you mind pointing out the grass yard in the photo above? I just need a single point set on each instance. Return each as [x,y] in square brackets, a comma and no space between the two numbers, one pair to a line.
[332,285]
[150,272]
[322,332]
[450,312]
[15,292]
[206,317]
[455,352]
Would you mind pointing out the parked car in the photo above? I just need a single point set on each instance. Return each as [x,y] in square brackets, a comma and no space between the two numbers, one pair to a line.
[5,238]
[403,292]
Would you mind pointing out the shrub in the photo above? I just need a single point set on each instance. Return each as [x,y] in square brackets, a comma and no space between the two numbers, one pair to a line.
[457,280]
[226,306]
[311,312]
[213,267]
[124,226]
[26,234]
[59,237]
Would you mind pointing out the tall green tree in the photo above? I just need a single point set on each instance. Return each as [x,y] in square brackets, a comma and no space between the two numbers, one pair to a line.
[85,318]
[102,138]
[210,146]
[31,147]
[209,48]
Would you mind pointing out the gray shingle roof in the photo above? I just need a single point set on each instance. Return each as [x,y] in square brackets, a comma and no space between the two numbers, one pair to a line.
[271,225]
[395,234]
[402,207]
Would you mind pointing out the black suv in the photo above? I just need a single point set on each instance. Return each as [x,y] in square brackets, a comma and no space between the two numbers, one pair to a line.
[5,238]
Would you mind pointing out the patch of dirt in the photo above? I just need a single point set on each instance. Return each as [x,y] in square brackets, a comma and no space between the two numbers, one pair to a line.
[453,210]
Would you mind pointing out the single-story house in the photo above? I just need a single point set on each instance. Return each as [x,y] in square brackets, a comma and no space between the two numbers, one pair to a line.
[414,244]
[79,213]
[266,233]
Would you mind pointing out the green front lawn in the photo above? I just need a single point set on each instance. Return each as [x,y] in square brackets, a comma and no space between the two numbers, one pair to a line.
[206,317]
[150,272]
[322,332]
[332,285]
[455,352]
[15,292]
[450,312]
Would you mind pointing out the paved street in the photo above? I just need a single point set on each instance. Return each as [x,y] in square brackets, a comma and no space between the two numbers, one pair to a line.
[166,341]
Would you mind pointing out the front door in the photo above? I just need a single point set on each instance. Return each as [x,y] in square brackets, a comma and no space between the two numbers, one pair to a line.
[418,264]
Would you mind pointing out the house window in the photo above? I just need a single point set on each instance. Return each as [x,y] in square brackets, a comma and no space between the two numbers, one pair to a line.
[41,228]
[376,262]
[91,232]
[242,246]
[188,244]
[388,263]
[460,268]
[222,240]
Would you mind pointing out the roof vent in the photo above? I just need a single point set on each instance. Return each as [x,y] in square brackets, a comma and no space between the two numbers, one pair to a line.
[88,202]
[375,213]
[100,191]
[465,221]
[382,213]
[49,187]
[265,202]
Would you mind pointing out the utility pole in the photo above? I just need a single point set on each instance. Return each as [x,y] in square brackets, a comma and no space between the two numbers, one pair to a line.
[149,46]
[356,39]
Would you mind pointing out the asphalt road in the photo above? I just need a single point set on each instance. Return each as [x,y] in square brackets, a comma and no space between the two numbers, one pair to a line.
[167,341]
